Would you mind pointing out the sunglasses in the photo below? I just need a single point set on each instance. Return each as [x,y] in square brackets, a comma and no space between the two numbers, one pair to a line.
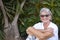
[44,15]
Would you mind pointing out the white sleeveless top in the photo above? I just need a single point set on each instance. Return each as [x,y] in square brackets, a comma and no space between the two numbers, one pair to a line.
[40,26]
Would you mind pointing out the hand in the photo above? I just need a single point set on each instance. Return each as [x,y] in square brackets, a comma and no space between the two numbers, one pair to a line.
[28,31]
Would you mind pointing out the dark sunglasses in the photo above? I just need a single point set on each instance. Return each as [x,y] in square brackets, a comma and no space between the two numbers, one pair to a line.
[44,15]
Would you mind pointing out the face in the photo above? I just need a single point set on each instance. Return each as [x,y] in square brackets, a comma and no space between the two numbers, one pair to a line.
[45,17]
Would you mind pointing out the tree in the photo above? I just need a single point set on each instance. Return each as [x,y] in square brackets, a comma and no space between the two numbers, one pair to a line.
[11,29]
[29,14]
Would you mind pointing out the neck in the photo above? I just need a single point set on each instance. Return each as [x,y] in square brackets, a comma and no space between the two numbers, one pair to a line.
[46,24]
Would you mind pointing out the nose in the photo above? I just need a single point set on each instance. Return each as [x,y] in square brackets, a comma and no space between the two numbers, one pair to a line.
[44,17]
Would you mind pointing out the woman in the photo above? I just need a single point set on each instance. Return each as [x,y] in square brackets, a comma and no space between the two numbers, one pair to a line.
[45,30]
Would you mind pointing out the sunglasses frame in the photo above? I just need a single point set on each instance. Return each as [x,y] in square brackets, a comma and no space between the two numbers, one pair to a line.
[47,15]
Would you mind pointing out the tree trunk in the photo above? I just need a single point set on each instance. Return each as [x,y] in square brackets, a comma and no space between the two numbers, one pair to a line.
[11,30]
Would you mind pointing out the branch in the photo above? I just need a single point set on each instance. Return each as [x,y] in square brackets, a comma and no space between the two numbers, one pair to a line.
[17,14]
[4,13]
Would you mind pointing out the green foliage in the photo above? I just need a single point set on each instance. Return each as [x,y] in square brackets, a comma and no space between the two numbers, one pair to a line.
[1,27]
[30,12]
[1,35]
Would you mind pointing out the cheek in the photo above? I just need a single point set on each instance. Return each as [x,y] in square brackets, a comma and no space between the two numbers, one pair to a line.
[49,18]
[41,19]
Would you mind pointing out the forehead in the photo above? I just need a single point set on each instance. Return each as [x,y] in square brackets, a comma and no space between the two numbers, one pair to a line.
[44,12]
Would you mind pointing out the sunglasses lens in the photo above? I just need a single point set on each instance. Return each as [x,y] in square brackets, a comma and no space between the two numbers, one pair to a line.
[44,15]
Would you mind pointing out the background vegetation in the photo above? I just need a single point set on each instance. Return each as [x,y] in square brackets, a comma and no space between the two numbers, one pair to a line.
[29,14]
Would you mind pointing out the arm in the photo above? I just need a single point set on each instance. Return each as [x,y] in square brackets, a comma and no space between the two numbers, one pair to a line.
[41,34]
[32,31]
[48,33]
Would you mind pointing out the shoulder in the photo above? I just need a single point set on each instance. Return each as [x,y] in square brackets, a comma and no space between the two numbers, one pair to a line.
[37,25]
[53,25]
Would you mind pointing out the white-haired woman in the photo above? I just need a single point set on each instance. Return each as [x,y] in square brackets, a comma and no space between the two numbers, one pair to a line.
[45,30]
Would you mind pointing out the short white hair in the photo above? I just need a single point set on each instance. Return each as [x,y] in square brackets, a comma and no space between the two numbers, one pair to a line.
[45,10]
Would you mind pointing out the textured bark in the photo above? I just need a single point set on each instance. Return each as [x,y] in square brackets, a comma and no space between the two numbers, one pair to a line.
[11,30]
